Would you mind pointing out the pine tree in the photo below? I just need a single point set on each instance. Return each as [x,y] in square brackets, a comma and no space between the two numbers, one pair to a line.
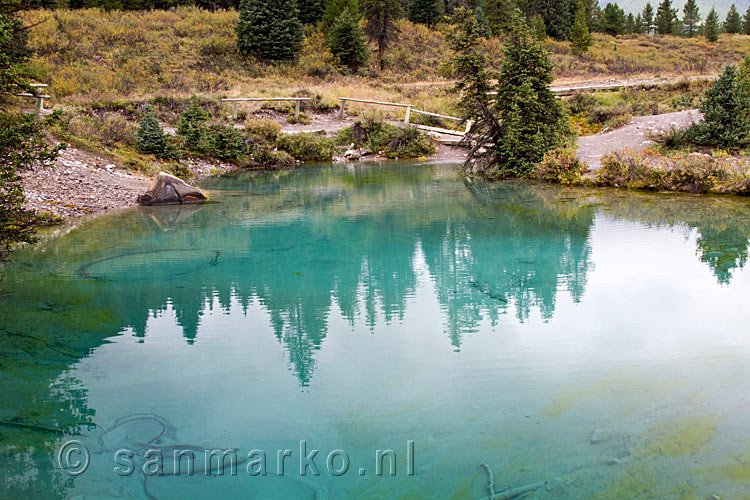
[192,125]
[648,19]
[639,27]
[725,107]
[593,14]
[269,29]
[665,18]
[580,38]
[149,138]
[690,18]
[380,27]
[733,24]
[557,17]
[498,13]
[630,24]
[482,21]
[347,41]
[711,28]
[613,20]
[746,22]
[538,28]
[424,11]
[310,11]
[333,10]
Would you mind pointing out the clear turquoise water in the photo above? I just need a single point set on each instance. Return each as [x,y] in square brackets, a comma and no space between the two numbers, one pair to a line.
[592,341]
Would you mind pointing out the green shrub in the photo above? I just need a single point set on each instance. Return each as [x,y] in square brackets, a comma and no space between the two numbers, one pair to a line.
[228,143]
[387,139]
[347,41]
[262,130]
[726,112]
[408,142]
[264,156]
[561,166]
[192,126]
[307,146]
[149,139]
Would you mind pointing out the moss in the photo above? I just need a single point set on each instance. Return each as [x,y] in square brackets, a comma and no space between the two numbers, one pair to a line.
[683,435]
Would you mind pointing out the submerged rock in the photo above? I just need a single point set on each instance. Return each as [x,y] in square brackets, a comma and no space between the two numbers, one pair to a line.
[168,189]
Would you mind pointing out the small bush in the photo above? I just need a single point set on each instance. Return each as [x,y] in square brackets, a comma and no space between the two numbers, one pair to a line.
[265,156]
[192,126]
[228,143]
[262,130]
[149,139]
[316,59]
[381,137]
[561,166]
[307,146]
[409,142]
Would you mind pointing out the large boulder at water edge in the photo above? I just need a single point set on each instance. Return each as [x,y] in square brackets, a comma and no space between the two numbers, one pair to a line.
[168,189]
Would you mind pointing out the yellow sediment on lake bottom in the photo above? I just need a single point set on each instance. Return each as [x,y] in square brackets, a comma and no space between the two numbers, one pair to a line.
[683,435]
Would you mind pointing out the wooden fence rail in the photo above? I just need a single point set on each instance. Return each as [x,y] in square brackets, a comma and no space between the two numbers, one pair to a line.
[39,107]
[296,100]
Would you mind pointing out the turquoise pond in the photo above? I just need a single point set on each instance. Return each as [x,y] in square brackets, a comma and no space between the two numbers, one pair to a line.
[581,344]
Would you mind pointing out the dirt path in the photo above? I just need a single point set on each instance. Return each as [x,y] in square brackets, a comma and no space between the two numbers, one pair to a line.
[634,135]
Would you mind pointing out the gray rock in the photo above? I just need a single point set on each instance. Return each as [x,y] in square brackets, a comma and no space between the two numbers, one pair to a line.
[168,189]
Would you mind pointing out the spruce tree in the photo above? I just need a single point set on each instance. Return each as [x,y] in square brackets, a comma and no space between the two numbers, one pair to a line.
[347,41]
[725,107]
[380,27]
[333,10]
[665,18]
[639,26]
[424,11]
[613,20]
[192,125]
[310,11]
[538,28]
[746,22]
[690,18]
[648,19]
[482,21]
[630,24]
[557,17]
[733,24]
[149,138]
[580,38]
[269,29]
[593,14]
[711,28]
[498,13]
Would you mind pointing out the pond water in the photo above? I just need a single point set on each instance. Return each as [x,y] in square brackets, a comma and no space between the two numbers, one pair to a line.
[583,344]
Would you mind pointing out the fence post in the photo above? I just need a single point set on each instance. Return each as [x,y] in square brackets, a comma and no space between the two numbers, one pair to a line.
[469,123]
[408,113]
[296,110]
[39,105]
[234,110]
[341,110]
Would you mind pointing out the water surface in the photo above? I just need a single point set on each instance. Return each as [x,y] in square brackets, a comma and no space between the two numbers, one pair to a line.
[596,341]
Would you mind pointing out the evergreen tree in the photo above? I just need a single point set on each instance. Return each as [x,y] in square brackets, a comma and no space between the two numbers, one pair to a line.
[593,14]
[733,24]
[630,24]
[613,20]
[498,14]
[347,41]
[333,10]
[380,27]
[192,125]
[711,28]
[424,11]
[482,21]
[149,138]
[648,19]
[746,22]
[725,108]
[639,27]
[690,18]
[310,11]
[665,18]
[580,38]
[557,17]
[538,28]
[524,120]
[269,29]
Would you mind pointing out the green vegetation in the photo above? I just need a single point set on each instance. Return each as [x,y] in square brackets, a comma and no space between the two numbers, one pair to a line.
[381,16]
[711,29]
[515,128]
[386,139]
[580,38]
[269,29]
[149,138]
[733,24]
[347,41]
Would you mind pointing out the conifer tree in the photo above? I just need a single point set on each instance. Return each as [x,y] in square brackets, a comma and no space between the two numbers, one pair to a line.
[733,24]
[482,21]
[725,107]
[593,14]
[557,17]
[149,138]
[639,27]
[498,13]
[347,41]
[424,11]
[310,11]
[269,29]
[648,19]
[665,18]
[613,20]
[334,8]
[711,28]
[630,24]
[746,22]
[690,18]
[380,27]
[539,29]
[580,37]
